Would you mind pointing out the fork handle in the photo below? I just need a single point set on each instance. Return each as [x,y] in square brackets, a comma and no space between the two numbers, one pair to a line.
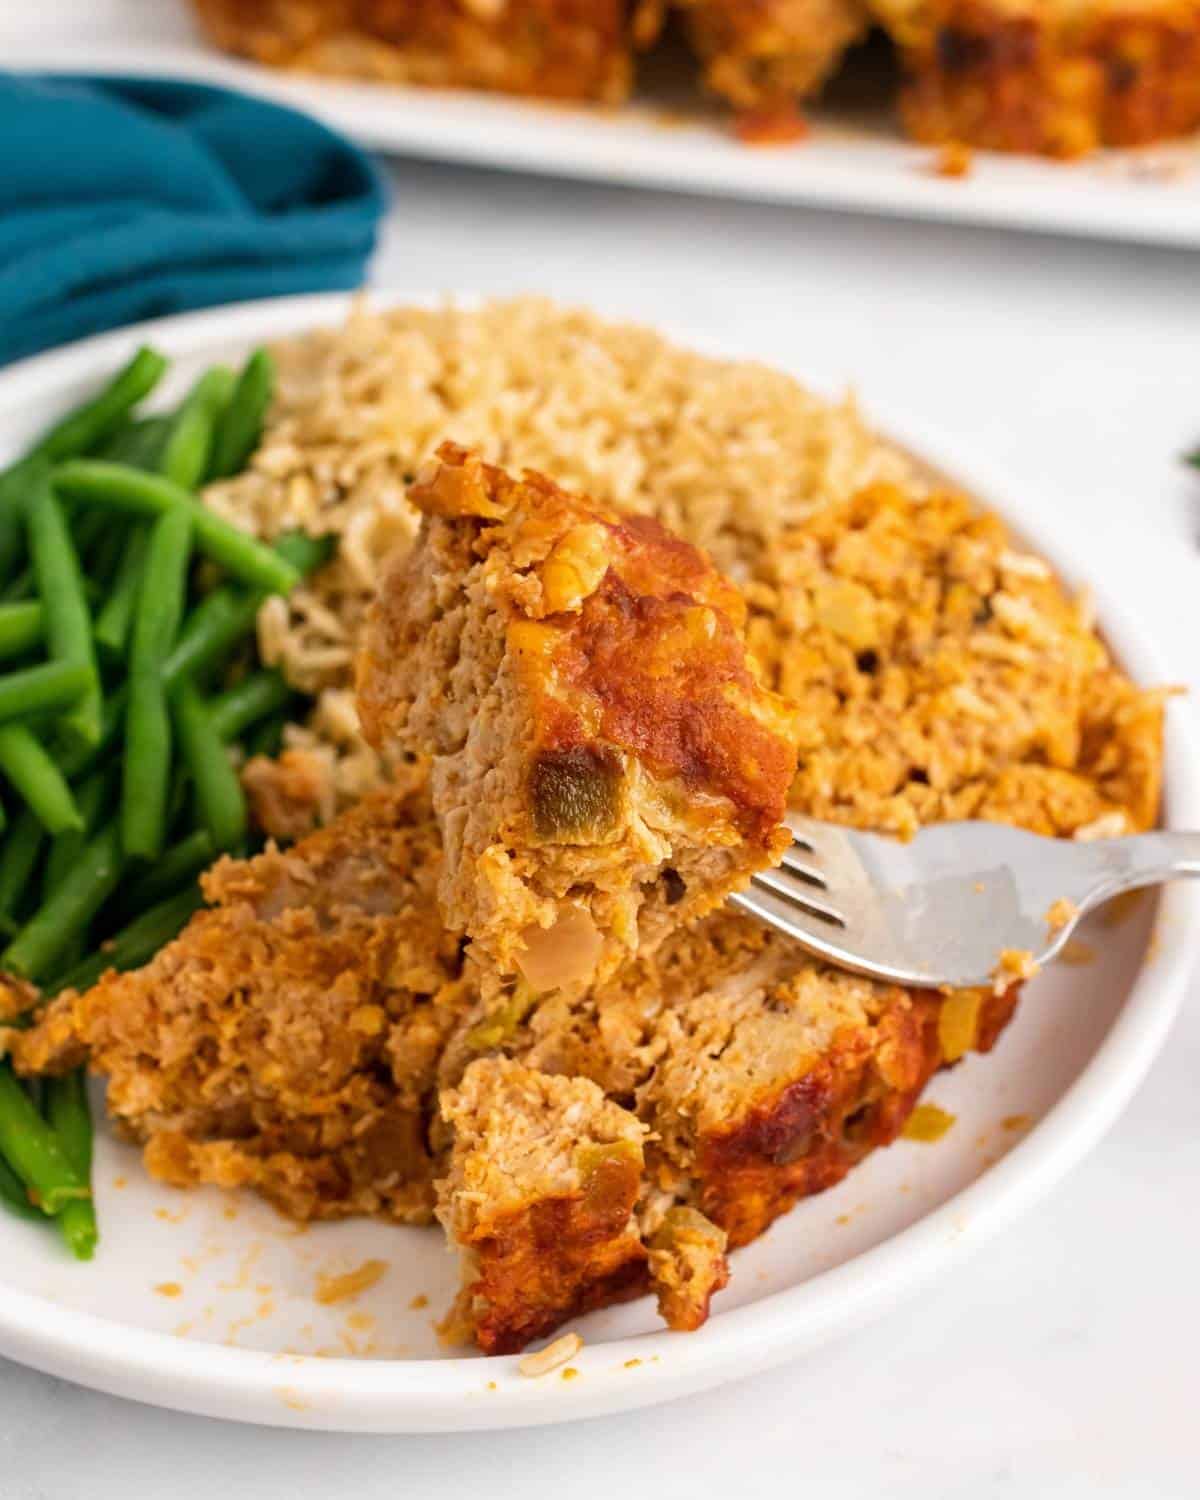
[1146,859]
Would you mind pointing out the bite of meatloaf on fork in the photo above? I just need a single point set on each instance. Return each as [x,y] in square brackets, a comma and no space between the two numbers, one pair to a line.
[606,763]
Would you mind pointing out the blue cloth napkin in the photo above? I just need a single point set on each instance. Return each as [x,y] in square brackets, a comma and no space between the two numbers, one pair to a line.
[123,199]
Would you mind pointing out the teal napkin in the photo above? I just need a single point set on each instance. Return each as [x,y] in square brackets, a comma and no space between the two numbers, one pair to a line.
[123,199]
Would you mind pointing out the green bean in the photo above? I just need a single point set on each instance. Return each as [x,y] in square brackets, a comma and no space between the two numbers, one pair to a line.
[140,444]
[163,594]
[71,1119]
[82,429]
[18,859]
[227,614]
[305,553]
[91,526]
[252,699]
[26,764]
[46,936]
[68,619]
[93,482]
[118,440]
[241,423]
[74,953]
[34,690]
[216,624]
[76,760]
[189,444]
[93,798]
[177,802]
[147,770]
[179,864]
[115,619]
[95,795]
[33,1150]
[138,943]
[105,558]
[15,1195]
[21,627]
[219,797]
[14,483]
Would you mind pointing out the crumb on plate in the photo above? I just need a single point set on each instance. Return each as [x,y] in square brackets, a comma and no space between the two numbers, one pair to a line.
[953,160]
[542,1361]
[928,1122]
[1015,965]
[1061,913]
[341,1288]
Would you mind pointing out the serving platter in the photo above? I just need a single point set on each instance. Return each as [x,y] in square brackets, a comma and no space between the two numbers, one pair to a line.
[855,157]
[211,1303]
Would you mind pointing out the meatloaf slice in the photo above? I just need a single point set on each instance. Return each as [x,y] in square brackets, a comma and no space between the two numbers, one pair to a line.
[763,55]
[774,1074]
[557,49]
[1057,77]
[288,1038]
[541,1195]
[761,1076]
[606,762]
[940,672]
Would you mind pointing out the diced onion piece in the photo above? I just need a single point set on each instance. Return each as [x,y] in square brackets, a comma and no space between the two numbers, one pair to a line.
[562,955]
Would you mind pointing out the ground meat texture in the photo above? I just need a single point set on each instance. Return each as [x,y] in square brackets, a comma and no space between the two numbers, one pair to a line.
[580,678]
[543,1178]
[762,1075]
[687,1267]
[561,49]
[989,694]
[762,55]
[288,1039]
[1054,79]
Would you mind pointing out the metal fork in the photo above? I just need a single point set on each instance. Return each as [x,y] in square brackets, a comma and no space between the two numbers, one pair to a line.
[940,909]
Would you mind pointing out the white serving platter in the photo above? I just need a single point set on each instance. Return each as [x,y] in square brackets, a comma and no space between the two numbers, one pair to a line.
[855,158]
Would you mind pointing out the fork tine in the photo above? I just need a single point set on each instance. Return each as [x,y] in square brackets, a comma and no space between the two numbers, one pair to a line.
[803,867]
[807,898]
[815,934]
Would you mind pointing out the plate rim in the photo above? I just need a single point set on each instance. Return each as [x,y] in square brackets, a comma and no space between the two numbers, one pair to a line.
[495,131]
[470,1393]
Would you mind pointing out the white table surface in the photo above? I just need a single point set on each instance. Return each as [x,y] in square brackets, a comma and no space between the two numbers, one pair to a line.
[1062,1360]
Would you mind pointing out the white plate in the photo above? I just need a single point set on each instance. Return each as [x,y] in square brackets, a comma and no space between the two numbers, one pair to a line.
[205,1303]
[850,161]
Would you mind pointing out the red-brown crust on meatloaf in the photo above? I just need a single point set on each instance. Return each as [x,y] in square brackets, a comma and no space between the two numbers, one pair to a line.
[808,1137]
[627,639]
[678,723]
[984,76]
[554,49]
[556,1260]
[561,1257]
[763,55]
